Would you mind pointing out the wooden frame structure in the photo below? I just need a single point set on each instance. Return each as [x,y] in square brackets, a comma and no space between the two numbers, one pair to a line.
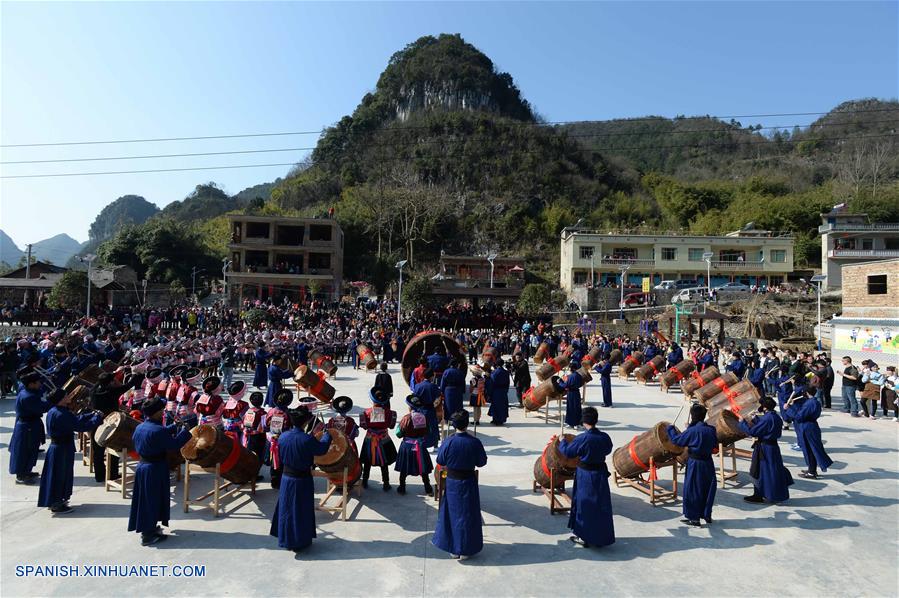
[343,498]
[126,477]
[559,499]
[219,492]
[547,417]
[649,486]
[84,445]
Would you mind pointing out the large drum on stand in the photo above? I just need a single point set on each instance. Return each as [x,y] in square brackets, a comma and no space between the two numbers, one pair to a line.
[742,399]
[676,374]
[314,384]
[649,370]
[726,427]
[536,397]
[424,343]
[630,363]
[322,362]
[616,356]
[714,387]
[116,431]
[550,367]
[632,460]
[551,459]
[541,353]
[210,446]
[341,455]
[366,356]
[698,379]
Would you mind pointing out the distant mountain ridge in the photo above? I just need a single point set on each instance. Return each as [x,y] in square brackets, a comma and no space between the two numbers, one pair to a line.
[56,250]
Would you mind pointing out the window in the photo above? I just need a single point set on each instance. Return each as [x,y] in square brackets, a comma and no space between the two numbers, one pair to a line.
[257,230]
[694,254]
[669,253]
[877,284]
[891,243]
[319,261]
[624,253]
[319,232]
[867,244]
[289,235]
[732,255]
[844,244]
[580,278]
[779,256]
[586,252]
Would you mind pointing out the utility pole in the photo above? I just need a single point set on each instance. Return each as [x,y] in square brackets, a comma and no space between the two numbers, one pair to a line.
[27,296]
[225,264]
[193,280]
[399,298]
[490,258]
[89,258]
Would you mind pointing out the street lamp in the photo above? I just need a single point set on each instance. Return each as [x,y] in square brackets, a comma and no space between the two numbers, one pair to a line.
[819,278]
[707,256]
[89,258]
[624,268]
[399,298]
[490,258]
[226,263]
[193,279]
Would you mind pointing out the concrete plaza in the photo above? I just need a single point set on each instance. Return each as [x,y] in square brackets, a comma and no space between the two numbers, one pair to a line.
[835,536]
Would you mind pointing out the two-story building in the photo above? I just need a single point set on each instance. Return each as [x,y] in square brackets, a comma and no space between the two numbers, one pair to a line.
[868,327]
[277,257]
[851,239]
[748,256]
[469,277]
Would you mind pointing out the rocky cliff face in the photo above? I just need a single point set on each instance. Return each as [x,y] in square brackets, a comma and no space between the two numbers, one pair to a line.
[441,96]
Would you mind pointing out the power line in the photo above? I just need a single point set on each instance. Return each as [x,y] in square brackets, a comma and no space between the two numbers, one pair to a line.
[522,124]
[397,158]
[298,149]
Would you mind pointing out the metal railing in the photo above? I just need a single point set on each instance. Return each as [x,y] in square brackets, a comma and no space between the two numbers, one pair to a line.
[621,261]
[882,226]
[737,265]
[871,253]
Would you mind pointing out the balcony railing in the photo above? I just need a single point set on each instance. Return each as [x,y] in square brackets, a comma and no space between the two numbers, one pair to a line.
[735,265]
[865,253]
[477,283]
[883,226]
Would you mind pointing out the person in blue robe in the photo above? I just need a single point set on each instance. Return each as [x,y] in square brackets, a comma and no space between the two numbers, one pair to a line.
[590,518]
[498,394]
[438,361]
[429,394]
[771,480]
[707,360]
[649,352]
[675,355]
[276,373]
[700,482]
[150,496]
[28,432]
[57,477]
[785,390]
[458,530]
[757,378]
[572,386]
[260,376]
[805,410]
[301,351]
[604,369]
[452,385]
[736,366]
[293,521]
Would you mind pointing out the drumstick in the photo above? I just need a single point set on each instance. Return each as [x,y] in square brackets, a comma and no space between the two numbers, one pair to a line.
[684,404]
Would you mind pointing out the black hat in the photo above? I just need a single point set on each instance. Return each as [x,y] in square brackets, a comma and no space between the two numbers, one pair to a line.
[154,374]
[153,405]
[237,389]
[178,370]
[256,399]
[459,419]
[342,405]
[134,380]
[212,383]
[284,398]
[300,417]
[30,377]
[413,401]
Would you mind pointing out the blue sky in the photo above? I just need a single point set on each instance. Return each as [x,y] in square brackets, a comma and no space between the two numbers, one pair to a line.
[126,70]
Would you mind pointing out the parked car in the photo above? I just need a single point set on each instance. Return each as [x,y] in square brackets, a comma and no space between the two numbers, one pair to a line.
[732,287]
[665,285]
[693,294]
[636,300]
[685,283]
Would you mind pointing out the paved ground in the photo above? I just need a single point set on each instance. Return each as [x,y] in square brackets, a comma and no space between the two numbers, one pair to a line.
[836,536]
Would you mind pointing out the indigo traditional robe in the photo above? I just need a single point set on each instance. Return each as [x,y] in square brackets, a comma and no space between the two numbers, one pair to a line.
[700,482]
[28,431]
[572,385]
[805,414]
[773,479]
[58,474]
[458,528]
[150,497]
[275,375]
[260,375]
[498,395]
[293,521]
[605,381]
[590,517]
[452,385]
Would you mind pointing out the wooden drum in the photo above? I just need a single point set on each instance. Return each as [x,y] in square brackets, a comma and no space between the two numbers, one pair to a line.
[541,353]
[552,459]
[424,343]
[726,427]
[366,356]
[341,455]
[80,399]
[632,460]
[649,370]
[714,387]
[314,384]
[322,362]
[742,399]
[210,446]
[536,397]
[550,367]
[676,374]
[592,357]
[630,363]
[616,356]
[698,379]
[116,432]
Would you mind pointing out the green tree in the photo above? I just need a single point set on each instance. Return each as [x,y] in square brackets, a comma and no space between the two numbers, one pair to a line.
[70,291]
[255,317]
[534,299]
[177,291]
[417,293]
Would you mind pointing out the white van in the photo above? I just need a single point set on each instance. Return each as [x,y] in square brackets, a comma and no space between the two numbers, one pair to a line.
[687,295]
